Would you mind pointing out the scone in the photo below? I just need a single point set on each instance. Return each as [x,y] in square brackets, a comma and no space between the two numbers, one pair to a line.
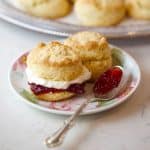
[73,1]
[139,9]
[100,12]
[45,8]
[93,50]
[55,72]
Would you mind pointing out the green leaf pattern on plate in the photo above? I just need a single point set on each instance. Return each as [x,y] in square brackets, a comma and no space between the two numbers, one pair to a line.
[29,96]
[117,57]
[102,102]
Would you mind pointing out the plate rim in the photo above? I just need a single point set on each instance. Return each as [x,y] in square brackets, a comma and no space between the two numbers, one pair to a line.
[90,112]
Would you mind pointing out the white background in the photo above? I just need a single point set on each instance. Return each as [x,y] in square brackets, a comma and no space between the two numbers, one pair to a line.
[126,127]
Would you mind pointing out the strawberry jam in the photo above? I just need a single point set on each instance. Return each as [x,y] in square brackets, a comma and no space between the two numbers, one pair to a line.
[108,81]
[39,89]
[76,88]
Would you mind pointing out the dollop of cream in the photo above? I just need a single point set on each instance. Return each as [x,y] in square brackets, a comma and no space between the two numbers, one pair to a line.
[32,78]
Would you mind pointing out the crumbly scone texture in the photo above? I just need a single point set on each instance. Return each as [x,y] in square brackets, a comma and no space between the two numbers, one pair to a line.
[45,8]
[55,62]
[139,9]
[100,12]
[55,96]
[93,50]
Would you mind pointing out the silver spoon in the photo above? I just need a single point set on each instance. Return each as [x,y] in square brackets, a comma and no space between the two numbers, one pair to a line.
[57,137]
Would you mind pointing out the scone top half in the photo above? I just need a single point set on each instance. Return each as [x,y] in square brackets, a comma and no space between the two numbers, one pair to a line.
[54,62]
[93,50]
[55,66]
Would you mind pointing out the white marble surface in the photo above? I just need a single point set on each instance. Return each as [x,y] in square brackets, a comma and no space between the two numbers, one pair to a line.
[126,127]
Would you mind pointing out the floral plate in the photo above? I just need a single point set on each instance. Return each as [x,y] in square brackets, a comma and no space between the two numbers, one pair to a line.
[18,82]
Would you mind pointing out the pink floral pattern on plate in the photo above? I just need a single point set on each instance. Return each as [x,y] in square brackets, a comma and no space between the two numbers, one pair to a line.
[20,63]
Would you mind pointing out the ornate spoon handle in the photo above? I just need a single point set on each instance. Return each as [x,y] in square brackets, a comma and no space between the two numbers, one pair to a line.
[57,137]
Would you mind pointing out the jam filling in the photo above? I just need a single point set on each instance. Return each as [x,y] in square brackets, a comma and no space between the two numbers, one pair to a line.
[108,81]
[39,89]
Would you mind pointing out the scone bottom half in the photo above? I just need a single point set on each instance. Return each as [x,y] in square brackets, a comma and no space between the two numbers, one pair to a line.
[55,72]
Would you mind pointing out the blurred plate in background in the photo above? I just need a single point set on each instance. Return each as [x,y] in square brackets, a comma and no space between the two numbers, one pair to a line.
[70,24]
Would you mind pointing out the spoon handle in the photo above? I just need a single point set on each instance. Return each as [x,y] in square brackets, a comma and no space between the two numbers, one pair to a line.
[57,137]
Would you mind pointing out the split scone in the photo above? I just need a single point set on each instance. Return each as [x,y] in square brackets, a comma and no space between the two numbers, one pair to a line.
[139,9]
[45,8]
[55,72]
[100,12]
[93,50]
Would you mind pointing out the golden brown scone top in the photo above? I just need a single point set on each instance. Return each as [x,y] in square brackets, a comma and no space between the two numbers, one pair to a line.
[53,54]
[54,61]
[106,4]
[45,8]
[100,12]
[140,3]
[93,50]
[139,9]
[88,44]
[83,38]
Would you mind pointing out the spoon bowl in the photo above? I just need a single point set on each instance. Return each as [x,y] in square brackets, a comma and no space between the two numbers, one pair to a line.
[115,91]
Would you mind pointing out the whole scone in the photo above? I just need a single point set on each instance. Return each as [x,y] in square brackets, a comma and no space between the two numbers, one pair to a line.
[139,9]
[100,12]
[53,70]
[45,8]
[93,50]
